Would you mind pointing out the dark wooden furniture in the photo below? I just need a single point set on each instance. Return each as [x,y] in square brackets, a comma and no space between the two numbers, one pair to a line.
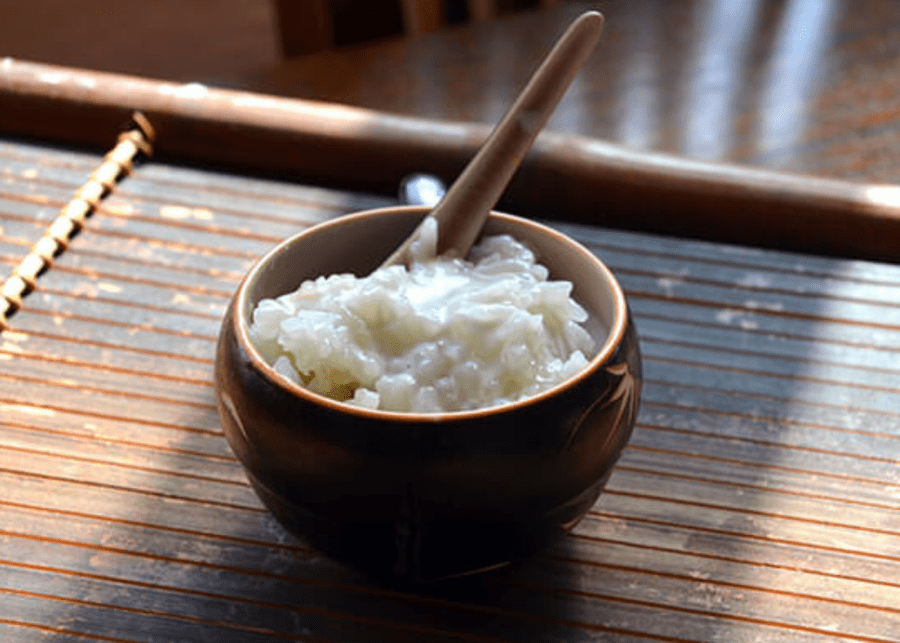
[793,85]
[312,26]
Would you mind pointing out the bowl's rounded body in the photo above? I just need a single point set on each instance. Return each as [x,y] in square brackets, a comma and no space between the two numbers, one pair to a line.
[425,496]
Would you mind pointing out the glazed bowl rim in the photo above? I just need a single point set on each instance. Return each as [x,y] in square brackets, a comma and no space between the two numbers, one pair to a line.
[241,327]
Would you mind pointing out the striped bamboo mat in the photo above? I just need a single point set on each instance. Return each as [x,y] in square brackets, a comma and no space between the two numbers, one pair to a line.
[759,499]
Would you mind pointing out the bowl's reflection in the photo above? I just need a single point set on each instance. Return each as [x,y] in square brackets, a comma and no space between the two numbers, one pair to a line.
[425,496]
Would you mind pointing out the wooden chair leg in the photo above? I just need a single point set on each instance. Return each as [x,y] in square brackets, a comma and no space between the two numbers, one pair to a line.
[304,26]
[482,10]
[422,16]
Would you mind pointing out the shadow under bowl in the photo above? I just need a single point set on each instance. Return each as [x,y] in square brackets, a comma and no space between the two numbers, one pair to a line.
[414,496]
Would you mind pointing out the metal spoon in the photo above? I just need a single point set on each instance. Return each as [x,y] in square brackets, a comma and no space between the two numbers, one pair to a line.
[463,210]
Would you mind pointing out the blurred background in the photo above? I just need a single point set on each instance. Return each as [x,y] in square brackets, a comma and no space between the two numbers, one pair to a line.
[173,39]
[796,85]
[216,41]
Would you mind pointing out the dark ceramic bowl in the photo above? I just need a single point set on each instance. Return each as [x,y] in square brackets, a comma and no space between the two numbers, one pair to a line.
[424,496]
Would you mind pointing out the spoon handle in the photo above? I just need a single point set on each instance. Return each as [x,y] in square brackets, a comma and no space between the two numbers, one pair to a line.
[463,210]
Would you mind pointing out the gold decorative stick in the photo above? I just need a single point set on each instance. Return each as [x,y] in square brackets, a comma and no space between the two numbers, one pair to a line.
[135,142]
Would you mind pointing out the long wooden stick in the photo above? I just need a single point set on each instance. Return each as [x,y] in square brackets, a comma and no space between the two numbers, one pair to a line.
[563,177]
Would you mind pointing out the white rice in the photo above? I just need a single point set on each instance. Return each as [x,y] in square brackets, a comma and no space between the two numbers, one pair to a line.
[446,334]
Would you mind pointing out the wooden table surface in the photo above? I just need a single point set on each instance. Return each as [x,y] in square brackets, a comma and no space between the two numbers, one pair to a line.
[759,499]
[799,85]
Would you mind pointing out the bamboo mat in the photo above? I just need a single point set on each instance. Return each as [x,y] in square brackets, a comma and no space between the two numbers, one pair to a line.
[758,499]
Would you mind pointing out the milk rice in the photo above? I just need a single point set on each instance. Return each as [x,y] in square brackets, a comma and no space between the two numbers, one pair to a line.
[444,334]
